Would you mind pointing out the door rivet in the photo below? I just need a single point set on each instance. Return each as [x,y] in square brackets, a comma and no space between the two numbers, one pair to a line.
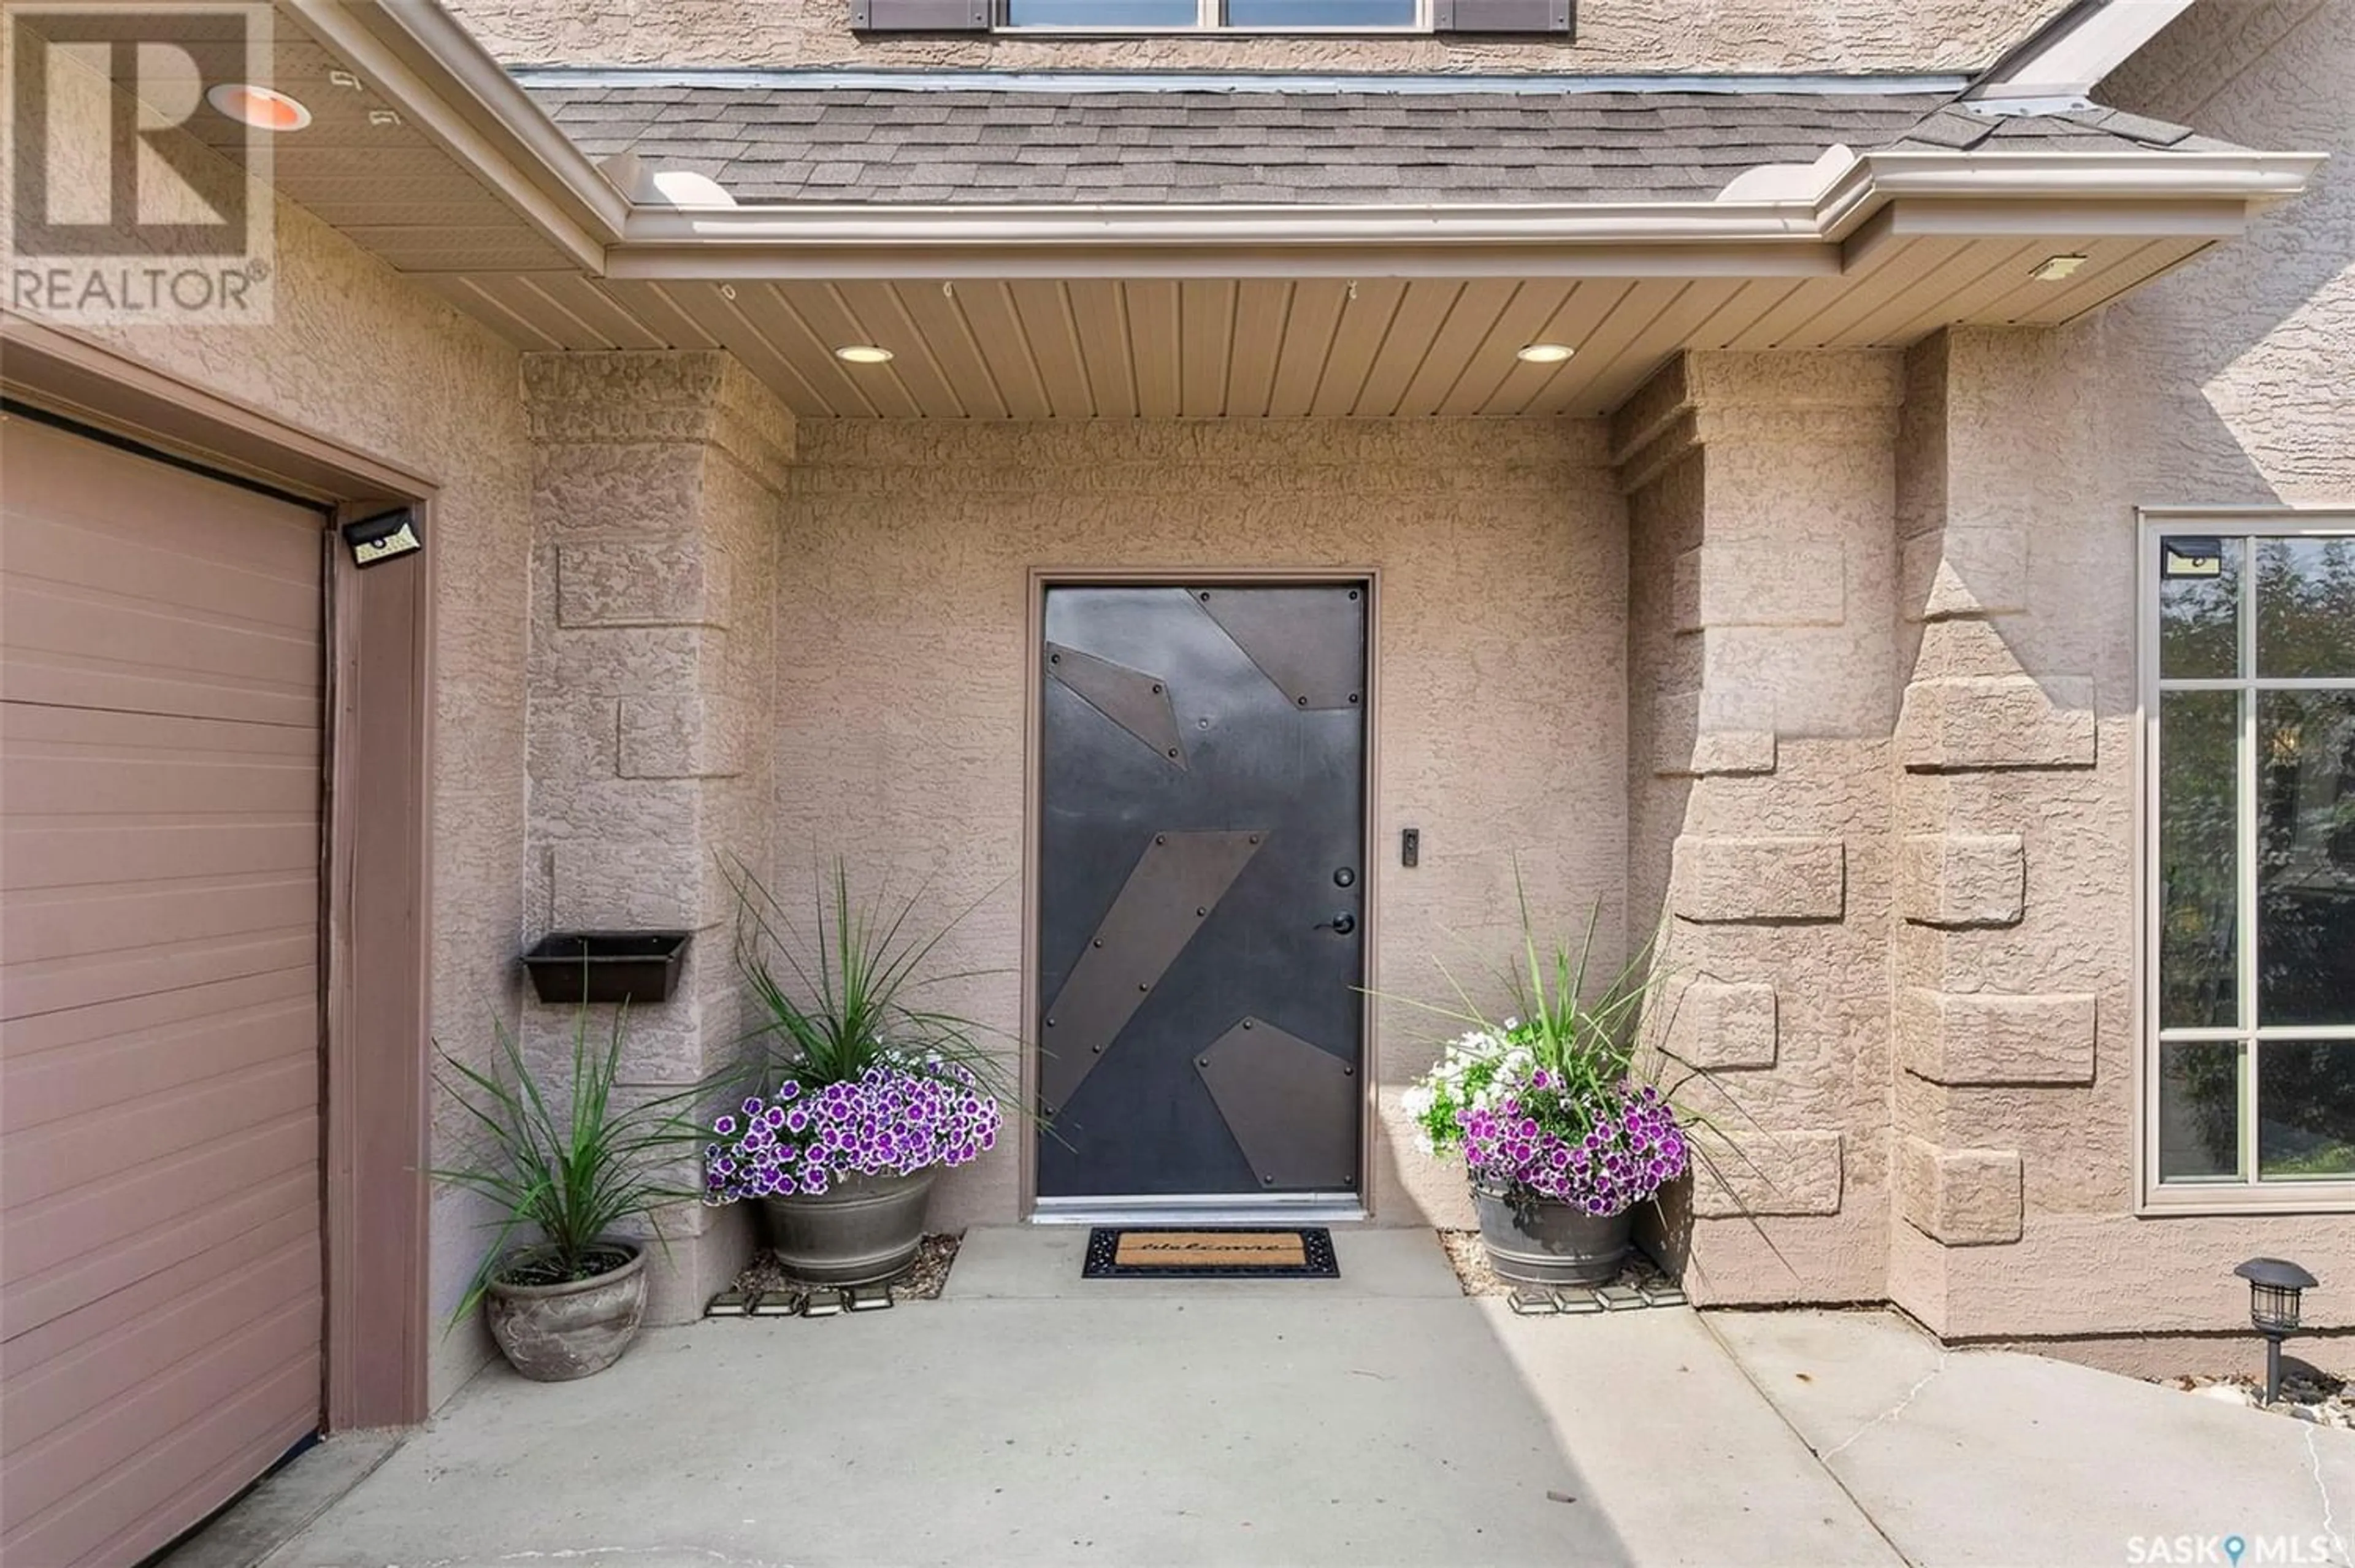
[1201,1061]
[1353,593]
[1054,658]
[1348,1072]
[1200,911]
[1205,722]
[1145,984]
[1353,698]
[1050,1023]
[1204,596]
[1097,1049]
[1247,1023]
[1304,700]
[1097,943]
[1254,838]
[1161,839]
[1157,689]
[1267,1181]
[1173,752]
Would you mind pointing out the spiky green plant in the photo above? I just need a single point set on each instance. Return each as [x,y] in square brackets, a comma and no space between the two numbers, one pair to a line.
[567,1160]
[844,994]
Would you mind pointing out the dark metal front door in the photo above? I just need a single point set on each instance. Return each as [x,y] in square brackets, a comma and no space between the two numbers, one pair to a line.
[1202,883]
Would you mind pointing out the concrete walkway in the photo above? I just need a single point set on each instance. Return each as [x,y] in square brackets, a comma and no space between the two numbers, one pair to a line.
[1031,1417]
[1986,1456]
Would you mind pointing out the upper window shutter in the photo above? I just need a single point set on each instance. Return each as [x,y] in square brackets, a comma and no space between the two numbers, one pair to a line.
[1500,15]
[920,15]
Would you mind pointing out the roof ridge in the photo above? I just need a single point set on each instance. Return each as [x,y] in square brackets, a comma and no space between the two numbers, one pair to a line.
[1326,84]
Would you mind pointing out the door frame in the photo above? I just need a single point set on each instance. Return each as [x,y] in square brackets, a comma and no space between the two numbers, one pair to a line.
[1041,579]
[374,879]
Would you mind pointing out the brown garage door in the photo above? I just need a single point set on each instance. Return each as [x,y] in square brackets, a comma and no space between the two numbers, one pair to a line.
[159,937]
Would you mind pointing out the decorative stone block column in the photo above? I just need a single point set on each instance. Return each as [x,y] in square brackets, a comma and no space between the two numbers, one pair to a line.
[1762,576]
[655,519]
[2000,949]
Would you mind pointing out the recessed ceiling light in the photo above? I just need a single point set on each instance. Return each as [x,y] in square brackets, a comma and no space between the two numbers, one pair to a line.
[263,108]
[863,353]
[2053,269]
[1543,353]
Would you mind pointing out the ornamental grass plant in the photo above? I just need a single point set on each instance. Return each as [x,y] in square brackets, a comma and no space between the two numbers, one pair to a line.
[570,1161]
[859,1076]
[1549,1102]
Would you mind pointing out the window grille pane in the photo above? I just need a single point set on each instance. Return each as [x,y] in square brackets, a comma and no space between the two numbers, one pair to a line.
[2199,617]
[2198,1110]
[1320,13]
[2306,858]
[2199,966]
[2306,608]
[2306,1109]
[1101,13]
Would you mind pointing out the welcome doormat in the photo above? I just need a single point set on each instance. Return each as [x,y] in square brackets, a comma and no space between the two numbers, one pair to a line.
[1168,1252]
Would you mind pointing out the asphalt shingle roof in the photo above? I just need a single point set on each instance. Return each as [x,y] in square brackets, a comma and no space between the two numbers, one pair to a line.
[776,144]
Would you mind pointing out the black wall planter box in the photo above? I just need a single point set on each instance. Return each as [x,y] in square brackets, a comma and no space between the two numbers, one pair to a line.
[638,966]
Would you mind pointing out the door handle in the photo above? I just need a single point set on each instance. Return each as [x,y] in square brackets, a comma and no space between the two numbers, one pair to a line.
[1340,924]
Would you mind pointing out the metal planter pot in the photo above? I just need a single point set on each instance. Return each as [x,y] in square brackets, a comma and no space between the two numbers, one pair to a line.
[553,1333]
[860,1230]
[1544,1240]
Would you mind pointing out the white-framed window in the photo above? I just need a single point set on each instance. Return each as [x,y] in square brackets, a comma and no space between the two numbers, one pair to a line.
[2248,671]
[1221,16]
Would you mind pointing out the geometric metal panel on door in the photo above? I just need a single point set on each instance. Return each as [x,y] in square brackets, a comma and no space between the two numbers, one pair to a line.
[1201,882]
[160,733]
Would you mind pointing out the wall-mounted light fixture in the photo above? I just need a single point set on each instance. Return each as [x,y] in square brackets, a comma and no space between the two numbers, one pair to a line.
[388,536]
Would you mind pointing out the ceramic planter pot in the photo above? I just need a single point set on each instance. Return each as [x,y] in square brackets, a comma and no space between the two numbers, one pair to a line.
[552,1333]
[860,1230]
[1544,1240]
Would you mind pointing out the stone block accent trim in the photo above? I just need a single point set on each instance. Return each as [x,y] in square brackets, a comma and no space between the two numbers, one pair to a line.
[1758,880]
[1794,583]
[1987,1037]
[1963,1198]
[1683,749]
[628,396]
[1769,1173]
[651,583]
[1719,1025]
[1975,723]
[1957,572]
[1963,879]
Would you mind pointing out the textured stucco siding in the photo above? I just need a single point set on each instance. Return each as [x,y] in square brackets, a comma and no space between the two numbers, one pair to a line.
[1613,36]
[2231,382]
[902,573]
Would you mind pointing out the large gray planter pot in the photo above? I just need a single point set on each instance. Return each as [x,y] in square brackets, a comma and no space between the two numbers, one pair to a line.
[1544,1240]
[553,1333]
[860,1230]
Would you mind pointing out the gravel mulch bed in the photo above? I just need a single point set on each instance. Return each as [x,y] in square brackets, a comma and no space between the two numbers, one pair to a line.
[1473,1273]
[921,1281]
[2325,1400]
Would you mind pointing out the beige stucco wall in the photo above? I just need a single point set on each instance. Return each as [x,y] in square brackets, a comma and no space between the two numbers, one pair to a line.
[1613,36]
[362,358]
[2231,382]
[901,667]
